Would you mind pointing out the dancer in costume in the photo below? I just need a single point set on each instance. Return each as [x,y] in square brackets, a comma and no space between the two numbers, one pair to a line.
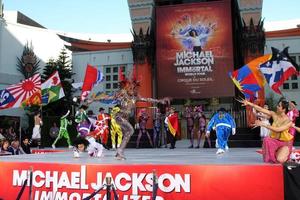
[189,116]
[224,125]
[293,114]
[278,146]
[63,131]
[102,126]
[201,120]
[83,123]
[157,128]
[127,95]
[80,145]
[143,118]
[36,133]
[115,128]
[84,126]
[172,123]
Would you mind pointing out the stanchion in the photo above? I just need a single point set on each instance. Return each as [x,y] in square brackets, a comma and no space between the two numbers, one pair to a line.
[109,186]
[155,185]
[22,190]
[29,177]
[30,183]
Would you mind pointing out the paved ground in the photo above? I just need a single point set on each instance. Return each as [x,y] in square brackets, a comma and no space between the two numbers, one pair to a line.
[181,155]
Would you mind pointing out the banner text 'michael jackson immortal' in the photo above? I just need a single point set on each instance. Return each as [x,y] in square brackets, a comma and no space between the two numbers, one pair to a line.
[61,181]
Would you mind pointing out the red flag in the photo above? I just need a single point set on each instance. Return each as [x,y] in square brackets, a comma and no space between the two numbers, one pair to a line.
[173,123]
[92,76]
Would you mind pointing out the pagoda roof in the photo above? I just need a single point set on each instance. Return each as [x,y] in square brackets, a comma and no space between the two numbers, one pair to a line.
[283,33]
[78,45]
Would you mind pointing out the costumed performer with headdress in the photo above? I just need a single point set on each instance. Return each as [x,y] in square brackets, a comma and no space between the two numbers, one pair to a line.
[189,116]
[127,95]
[143,118]
[157,128]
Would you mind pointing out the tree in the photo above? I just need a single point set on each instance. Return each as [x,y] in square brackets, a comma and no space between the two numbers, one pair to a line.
[64,67]
[28,65]
[49,69]
[65,72]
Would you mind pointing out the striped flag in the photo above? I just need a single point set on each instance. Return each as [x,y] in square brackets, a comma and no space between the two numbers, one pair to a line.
[278,69]
[26,93]
[92,77]
[248,79]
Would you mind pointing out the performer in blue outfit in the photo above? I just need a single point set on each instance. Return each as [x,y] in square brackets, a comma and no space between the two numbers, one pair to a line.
[224,124]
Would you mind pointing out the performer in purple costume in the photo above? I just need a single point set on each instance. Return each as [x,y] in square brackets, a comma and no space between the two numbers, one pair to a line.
[188,115]
[200,117]
[143,118]
[157,128]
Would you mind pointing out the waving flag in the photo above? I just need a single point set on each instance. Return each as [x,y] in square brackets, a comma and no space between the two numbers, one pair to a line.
[92,77]
[5,99]
[52,89]
[26,93]
[278,69]
[248,79]
[172,123]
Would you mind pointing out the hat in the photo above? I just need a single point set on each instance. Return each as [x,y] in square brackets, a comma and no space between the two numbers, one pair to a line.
[101,109]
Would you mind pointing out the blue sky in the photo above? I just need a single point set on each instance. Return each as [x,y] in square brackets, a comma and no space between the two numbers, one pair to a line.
[112,16]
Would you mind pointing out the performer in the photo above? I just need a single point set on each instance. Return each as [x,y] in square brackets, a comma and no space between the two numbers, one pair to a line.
[36,133]
[143,118]
[63,131]
[201,119]
[83,123]
[278,146]
[171,122]
[189,116]
[292,115]
[224,124]
[84,126]
[115,128]
[80,145]
[127,96]
[264,132]
[102,124]
[157,128]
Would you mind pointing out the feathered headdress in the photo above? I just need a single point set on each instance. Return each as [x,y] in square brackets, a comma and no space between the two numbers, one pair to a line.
[126,82]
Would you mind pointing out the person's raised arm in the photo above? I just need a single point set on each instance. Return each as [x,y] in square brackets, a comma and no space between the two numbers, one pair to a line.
[256,107]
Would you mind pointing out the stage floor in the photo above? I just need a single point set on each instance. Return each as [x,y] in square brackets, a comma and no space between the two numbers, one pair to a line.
[181,155]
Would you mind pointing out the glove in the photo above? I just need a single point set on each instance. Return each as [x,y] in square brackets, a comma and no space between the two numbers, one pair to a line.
[233,131]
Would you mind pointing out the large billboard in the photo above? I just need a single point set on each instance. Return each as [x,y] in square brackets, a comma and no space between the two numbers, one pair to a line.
[194,50]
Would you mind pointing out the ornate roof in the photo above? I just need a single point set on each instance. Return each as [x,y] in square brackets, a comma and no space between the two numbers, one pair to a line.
[283,33]
[78,45]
